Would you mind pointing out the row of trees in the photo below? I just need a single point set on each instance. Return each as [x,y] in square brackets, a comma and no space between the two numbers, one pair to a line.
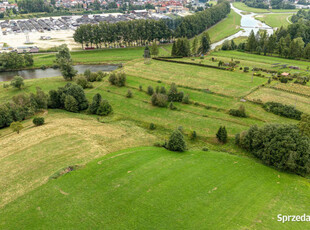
[182,47]
[282,44]
[14,60]
[141,32]
[30,6]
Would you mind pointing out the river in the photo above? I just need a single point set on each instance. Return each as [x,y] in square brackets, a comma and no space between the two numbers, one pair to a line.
[50,72]
[248,23]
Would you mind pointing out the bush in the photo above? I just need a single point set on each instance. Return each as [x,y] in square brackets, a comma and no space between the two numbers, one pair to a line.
[5,85]
[159,100]
[17,82]
[283,79]
[150,90]
[174,95]
[104,109]
[16,126]
[152,126]
[82,81]
[37,121]
[118,79]
[176,142]
[171,106]
[43,67]
[279,145]
[238,112]
[140,87]
[186,99]
[205,149]
[193,135]
[129,94]
[71,104]
[221,135]
[246,69]
[283,110]
[94,106]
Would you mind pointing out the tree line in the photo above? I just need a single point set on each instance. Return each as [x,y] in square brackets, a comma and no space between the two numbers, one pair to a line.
[142,32]
[291,42]
[14,60]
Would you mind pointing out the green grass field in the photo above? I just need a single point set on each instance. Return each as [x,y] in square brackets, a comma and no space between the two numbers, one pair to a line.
[243,7]
[142,188]
[99,56]
[275,20]
[226,27]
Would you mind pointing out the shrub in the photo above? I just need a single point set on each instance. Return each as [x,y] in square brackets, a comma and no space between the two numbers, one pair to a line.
[193,135]
[16,126]
[118,79]
[43,67]
[279,145]
[159,100]
[104,109]
[17,82]
[283,110]
[186,99]
[176,142]
[174,95]
[129,94]
[163,90]
[238,112]
[87,73]
[246,69]
[283,79]
[5,85]
[100,75]
[150,90]
[140,87]
[82,81]
[221,135]
[171,106]
[71,104]
[92,77]
[37,121]
[152,126]
[205,149]
[93,107]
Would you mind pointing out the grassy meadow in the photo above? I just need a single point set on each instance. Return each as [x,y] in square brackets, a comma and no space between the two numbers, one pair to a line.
[139,188]
[244,7]
[228,26]
[275,20]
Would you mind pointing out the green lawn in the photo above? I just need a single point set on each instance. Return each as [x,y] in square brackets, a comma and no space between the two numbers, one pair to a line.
[242,6]
[152,188]
[264,61]
[275,20]
[119,55]
[226,27]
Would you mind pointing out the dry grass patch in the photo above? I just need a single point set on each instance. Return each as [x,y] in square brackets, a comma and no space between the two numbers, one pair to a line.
[28,159]
[268,94]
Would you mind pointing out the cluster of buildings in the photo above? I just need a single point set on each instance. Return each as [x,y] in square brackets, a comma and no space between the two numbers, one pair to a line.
[33,25]
[70,22]
[5,5]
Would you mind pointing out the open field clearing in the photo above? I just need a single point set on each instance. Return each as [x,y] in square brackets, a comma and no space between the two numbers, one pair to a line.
[99,56]
[226,27]
[219,81]
[275,20]
[243,7]
[268,94]
[294,88]
[140,188]
[263,61]
[28,159]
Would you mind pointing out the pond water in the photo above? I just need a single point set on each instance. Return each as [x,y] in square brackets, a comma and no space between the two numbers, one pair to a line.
[50,72]
[248,23]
